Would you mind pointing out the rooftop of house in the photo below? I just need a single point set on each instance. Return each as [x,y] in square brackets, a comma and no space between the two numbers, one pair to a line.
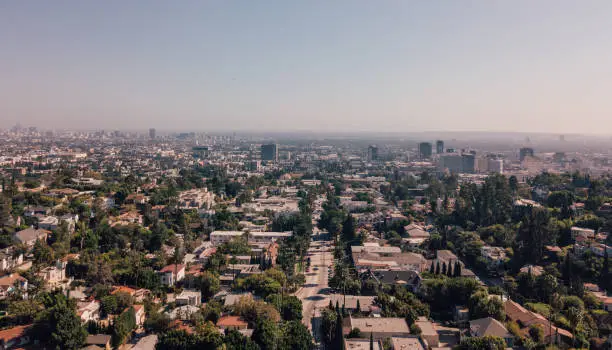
[407,343]
[226,233]
[526,318]
[98,339]
[360,344]
[186,293]
[375,249]
[446,255]
[6,335]
[172,268]
[396,277]
[9,280]
[426,326]
[488,326]
[30,234]
[231,321]
[350,301]
[232,299]
[380,325]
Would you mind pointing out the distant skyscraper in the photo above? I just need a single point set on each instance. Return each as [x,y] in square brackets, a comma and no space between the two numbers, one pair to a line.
[525,152]
[152,133]
[200,151]
[468,162]
[372,153]
[425,150]
[495,166]
[439,147]
[269,152]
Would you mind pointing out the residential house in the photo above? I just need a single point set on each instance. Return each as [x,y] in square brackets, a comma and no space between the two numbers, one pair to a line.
[31,211]
[189,297]
[361,344]
[9,259]
[366,303]
[30,235]
[417,235]
[101,340]
[183,312]
[139,295]
[218,238]
[493,256]
[268,237]
[15,337]
[429,332]
[88,310]
[408,343]
[489,326]
[172,274]
[232,299]
[526,318]
[55,276]
[535,270]
[140,314]
[379,327]
[584,232]
[13,283]
[232,322]
[447,256]
[48,223]
[408,278]
[196,199]
[136,198]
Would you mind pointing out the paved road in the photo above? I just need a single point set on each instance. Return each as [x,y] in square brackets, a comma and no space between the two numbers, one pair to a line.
[312,294]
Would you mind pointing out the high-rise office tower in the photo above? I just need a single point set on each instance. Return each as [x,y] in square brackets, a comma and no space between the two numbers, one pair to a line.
[468,163]
[525,152]
[372,153]
[425,150]
[439,147]
[269,152]
[152,133]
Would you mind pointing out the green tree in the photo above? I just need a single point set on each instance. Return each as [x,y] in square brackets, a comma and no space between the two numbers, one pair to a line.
[5,211]
[328,325]
[209,285]
[123,326]
[354,333]
[457,271]
[295,336]
[108,305]
[234,340]
[339,337]
[534,233]
[59,327]
[605,280]
[266,334]
[536,333]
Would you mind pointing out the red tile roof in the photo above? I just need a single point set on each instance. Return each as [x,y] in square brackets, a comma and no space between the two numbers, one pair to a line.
[231,321]
[7,335]
[171,268]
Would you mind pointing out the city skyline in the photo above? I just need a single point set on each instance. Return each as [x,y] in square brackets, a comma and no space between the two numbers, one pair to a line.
[339,66]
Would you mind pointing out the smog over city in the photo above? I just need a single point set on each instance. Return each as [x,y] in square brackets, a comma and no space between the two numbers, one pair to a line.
[275,175]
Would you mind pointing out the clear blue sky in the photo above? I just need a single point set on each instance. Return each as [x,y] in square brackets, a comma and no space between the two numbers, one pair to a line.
[390,65]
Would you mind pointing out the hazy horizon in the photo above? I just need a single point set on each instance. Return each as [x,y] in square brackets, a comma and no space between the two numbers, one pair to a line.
[315,66]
